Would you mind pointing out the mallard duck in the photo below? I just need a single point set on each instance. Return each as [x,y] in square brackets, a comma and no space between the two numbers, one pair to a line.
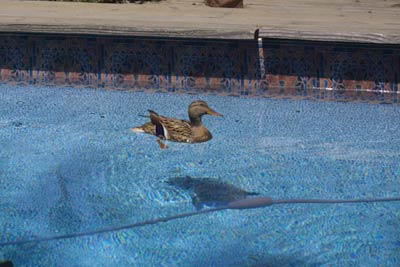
[177,130]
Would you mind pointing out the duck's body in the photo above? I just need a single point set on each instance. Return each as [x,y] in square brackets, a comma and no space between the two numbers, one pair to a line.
[177,130]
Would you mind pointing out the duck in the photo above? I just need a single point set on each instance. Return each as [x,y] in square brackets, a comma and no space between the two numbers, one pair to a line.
[177,130]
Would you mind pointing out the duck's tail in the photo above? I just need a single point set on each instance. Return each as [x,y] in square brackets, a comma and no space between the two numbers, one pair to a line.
[141,129]
[137,130]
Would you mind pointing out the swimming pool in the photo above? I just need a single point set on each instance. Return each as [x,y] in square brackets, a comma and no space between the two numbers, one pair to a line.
[69,163]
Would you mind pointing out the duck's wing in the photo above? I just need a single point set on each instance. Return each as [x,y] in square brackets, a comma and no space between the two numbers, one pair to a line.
[170,128]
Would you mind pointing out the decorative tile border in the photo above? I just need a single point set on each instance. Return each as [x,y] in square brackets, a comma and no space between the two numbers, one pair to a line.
[269,68]
[340,71]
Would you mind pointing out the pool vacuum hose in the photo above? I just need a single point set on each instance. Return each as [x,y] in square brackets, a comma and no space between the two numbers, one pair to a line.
[247,203]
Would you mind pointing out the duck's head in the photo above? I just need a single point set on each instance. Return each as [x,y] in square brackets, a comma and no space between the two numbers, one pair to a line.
[199,108]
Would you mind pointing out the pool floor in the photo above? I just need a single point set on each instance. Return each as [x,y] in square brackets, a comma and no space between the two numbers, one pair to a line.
[69,164]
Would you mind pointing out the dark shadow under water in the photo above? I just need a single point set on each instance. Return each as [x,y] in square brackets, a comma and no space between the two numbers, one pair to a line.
[208,191]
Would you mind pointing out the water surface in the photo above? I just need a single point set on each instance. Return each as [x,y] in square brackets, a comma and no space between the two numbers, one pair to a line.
[68,163]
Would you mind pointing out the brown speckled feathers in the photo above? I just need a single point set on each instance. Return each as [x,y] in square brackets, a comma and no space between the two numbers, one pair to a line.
[177,130]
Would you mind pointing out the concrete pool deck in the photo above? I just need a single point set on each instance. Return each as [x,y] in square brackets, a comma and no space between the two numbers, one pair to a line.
[364,21]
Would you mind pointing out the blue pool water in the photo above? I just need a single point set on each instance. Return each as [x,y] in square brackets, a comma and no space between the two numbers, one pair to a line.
[68,164]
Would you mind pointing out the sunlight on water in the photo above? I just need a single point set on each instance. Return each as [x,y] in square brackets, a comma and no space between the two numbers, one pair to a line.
[69,163]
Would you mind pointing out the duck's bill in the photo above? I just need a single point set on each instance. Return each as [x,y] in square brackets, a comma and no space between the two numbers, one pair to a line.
[214,113]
